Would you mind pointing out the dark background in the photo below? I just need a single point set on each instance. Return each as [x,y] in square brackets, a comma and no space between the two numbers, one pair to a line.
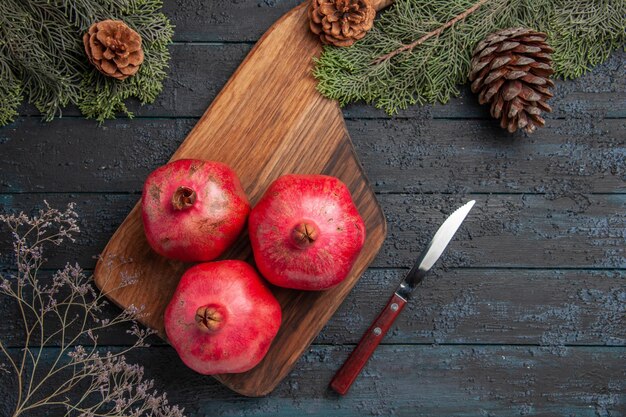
[524,315]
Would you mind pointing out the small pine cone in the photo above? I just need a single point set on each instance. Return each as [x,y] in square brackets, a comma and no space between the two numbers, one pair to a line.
[114,48]
[341,22]
[511,69]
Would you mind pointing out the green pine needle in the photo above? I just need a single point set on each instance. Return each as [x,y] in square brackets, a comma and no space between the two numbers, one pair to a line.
[582,32]
[42,58]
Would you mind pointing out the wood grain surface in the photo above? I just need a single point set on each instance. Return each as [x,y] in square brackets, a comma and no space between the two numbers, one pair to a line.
[267,121]
[523,316]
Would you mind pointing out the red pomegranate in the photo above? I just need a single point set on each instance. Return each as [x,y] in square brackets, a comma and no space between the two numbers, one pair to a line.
[193,210]
[222,318]
[306,232]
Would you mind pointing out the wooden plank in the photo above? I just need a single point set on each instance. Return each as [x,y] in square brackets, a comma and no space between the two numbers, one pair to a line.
[199,71]
[224,20]
[550,308]
[568,157]
[402,380]
[511,230]
[79,156]
[519,231]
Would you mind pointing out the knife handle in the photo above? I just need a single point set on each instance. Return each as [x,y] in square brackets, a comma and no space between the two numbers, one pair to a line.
[344,378]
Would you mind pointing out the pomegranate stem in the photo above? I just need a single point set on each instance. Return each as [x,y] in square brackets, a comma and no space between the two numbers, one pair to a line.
[304,234]
[210,318]
[184,197]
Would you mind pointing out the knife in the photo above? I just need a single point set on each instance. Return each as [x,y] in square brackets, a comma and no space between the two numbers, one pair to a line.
[344,378]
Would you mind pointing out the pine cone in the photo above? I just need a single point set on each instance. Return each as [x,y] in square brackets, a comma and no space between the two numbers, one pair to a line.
[114,48]
[341,22]
[510,69]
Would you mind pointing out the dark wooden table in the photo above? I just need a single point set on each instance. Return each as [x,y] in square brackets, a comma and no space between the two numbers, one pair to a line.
[526,313]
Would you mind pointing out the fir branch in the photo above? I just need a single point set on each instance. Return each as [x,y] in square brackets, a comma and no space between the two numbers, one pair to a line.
[41,46]
[582,32]
[10,94]
[429,35]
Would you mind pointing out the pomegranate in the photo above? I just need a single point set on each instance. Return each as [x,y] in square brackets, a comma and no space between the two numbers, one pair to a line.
[306,232]
[193,210]
[222,318]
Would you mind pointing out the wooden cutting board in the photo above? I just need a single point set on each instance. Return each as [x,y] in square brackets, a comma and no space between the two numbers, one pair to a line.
[268,120]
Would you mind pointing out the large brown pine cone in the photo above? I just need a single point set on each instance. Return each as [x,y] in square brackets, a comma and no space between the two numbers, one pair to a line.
[510,69]
[341,22]
[114,48]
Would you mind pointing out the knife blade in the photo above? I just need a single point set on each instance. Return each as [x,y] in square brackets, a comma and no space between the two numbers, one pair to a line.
[434,250]
[343,379]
